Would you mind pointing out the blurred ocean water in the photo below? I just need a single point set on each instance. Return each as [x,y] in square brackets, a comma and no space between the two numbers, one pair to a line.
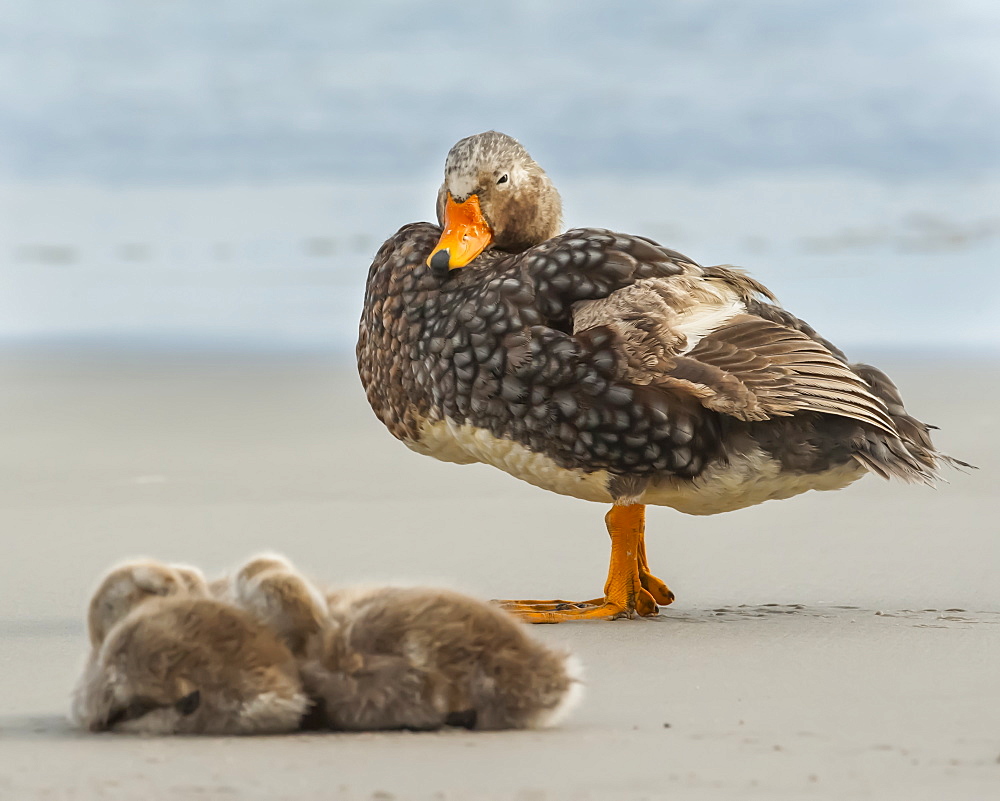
[864,261]
[223,172]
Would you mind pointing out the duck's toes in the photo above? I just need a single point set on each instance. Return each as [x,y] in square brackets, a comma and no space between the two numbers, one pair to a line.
[567,612]
[655,588]
[604,608]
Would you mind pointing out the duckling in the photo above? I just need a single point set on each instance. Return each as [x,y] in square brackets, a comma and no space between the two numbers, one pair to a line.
[277,595]
[127,585]
[408,658]
[190,665]
[192,576]
[224,587]
[415,658]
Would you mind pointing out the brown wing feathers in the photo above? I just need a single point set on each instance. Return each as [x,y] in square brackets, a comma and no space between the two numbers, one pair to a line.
[759,365]
[784,372]
[753,368]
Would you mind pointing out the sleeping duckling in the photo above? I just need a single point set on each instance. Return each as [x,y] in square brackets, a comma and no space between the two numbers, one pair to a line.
[190,665]
[130,583]
[192,577]
[408,658]
[224,587]
[414,658]
[277,595]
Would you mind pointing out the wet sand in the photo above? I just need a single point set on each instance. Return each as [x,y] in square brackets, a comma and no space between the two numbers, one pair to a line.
[836,645]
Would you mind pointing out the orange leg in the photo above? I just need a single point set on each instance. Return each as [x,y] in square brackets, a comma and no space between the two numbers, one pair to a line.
[630,589]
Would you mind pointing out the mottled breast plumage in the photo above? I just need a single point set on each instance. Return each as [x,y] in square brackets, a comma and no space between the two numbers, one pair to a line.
[611,356]
[492,346]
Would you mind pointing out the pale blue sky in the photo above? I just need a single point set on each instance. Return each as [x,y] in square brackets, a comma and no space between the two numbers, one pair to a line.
[148,91]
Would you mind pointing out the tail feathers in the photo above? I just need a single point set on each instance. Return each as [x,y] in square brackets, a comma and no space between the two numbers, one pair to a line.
[910,456]
[888,457]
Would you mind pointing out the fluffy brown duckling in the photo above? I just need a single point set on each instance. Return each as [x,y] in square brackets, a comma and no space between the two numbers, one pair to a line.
[276,594]
[127,585]
[167,659]
[417,658]
[603,366]
[409,658]
[187,665]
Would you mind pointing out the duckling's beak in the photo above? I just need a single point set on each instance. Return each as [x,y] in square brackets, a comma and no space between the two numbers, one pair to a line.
[466,235]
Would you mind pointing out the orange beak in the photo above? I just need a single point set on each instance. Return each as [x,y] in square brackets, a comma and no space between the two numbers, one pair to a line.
[466,235]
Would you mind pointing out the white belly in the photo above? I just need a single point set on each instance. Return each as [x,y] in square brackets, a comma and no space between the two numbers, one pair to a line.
[467,444]
[744,480]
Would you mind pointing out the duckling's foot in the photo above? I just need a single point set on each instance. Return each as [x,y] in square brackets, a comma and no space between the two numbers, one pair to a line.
[630,589]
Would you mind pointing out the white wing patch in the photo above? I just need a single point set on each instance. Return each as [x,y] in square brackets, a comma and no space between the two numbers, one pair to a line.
[701,320]
[686,308]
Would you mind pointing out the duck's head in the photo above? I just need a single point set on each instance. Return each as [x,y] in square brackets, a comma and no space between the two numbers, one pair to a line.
[494,195]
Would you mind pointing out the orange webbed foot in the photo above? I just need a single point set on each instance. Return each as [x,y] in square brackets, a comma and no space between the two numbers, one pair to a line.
[556,611]
[630,589]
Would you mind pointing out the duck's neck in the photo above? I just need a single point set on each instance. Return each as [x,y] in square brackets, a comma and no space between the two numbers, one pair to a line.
[531,217]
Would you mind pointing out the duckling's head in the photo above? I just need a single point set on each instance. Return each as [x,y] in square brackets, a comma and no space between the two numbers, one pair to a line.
[261,563]
[187,666]
[494,195]
[270,589]
[192,577]
[129,584]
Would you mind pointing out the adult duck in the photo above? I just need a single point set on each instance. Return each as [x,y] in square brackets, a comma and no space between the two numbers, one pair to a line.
[603,366]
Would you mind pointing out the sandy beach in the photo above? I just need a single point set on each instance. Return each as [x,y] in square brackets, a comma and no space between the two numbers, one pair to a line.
[840,645]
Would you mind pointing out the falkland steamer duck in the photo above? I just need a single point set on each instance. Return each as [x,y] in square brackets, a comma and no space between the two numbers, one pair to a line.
[603,366]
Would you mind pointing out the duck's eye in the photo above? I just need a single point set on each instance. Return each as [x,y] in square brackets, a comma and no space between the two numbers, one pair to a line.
[503,179]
